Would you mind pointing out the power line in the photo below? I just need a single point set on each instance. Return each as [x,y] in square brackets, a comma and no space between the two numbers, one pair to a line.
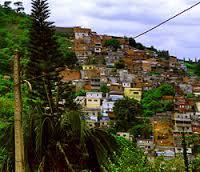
[167,20]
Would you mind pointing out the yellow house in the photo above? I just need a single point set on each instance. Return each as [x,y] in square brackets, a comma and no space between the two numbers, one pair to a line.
[93,99]
[135,93]
[88,67]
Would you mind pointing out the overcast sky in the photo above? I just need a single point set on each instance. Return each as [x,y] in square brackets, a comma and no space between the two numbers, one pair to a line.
[131,17]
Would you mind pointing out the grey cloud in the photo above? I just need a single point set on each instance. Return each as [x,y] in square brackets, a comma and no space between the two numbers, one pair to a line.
[131,17]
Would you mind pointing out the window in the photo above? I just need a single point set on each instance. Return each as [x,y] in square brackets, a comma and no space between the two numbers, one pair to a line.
[89,100]
[95,100]
[135,93]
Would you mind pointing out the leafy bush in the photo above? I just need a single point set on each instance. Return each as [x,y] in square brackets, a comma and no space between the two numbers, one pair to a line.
[114,43]
[152,100]
[128,158]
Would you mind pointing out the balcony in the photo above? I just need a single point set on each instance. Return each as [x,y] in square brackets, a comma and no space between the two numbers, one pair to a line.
[182,119]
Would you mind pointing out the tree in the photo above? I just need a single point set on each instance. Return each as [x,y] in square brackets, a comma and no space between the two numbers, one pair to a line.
[152,100]
[104,88]
[195,164]
[44,55]
[167,90]
[140,46]
[197,69]
[7,4]
[142,129]
[57,139]
[19,6]
[129,158]
[120,64]
[184,145]
[113,43]
[160,164]
[152,49]
[163,54]
[132,42]
[65,47]
[126,111]
[66,144]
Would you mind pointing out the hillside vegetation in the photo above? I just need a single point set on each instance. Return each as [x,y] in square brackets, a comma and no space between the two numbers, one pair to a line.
[63,141]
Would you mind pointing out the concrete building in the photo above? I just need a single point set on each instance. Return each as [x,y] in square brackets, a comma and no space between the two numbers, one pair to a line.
[135,93]
[93,99]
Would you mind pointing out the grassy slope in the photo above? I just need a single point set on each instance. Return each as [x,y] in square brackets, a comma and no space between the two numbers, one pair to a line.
[191,68]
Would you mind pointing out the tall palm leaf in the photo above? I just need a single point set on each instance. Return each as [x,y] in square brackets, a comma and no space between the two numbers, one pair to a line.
[65,143]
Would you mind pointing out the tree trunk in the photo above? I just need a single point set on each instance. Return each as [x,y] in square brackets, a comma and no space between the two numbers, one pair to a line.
[184,145]
[19,143]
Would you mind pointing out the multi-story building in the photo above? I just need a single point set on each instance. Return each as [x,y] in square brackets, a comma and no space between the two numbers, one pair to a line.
[146,144]
[93,99]
[182,122]
[108,103]
[196,88]
[107,107]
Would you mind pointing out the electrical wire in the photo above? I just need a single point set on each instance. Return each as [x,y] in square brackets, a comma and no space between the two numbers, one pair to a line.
[139,35]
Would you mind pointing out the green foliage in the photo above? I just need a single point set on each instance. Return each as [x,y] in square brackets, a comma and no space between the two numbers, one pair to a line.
[65,47]
[132,42]
[120,64]
[192,68]
[6,97]
[167,90]
[44,55]
[152,100]
[190,95]
[197,69]
[163,54]
[96,59]
[152,49]
[126,111]
[195,164]
[135,44]
[13,35]
[113,43]
[154,73]
[142,129]
[185,155]
[6,144]
[104,88]
[6,109]
[128,158]
[140,46]
[162,165]
[55,135]
[6,86]
[81,93]
[66,140]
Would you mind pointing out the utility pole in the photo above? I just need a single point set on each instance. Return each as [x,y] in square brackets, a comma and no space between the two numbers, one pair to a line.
[184,146]
[19,142]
